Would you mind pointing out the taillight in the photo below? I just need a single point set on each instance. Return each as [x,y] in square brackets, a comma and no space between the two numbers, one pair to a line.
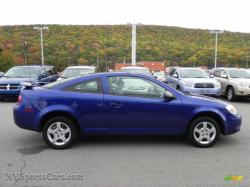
[20,99]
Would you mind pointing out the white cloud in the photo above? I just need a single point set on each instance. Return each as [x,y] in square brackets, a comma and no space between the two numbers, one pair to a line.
[208,14]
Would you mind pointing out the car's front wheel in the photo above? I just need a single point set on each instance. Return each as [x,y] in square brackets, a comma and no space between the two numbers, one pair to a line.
[230,94]
[59,132]
[204,132]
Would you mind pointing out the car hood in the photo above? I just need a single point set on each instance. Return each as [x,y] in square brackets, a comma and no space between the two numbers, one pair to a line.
[205,100]
[6,80]
[200,80]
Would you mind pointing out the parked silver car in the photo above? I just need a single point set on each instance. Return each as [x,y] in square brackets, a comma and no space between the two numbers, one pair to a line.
[74,71]
[193,81]
[235,82]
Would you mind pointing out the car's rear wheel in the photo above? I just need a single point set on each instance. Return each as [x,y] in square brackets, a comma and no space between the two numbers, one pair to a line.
[204,132]
[59,133]
[230,94]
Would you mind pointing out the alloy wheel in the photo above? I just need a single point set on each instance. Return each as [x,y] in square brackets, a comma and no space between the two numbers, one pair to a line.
[59,133]
[229,94]
[204,133]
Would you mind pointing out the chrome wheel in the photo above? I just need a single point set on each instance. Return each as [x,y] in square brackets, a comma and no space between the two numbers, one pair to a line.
[204,133]
[230,94]
[59,133]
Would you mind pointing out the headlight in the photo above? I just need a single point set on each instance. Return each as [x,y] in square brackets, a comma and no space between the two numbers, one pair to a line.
[243,84]
[217,84]
[187,84]
[231,109]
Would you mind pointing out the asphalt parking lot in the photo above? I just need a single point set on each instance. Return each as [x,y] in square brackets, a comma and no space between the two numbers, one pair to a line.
[124,161]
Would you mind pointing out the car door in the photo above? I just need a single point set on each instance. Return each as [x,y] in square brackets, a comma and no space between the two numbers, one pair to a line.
[172,81]
[223,79]
[86,97]
[135,104]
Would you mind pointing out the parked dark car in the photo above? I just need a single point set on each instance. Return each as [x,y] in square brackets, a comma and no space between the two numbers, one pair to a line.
[121,103]
[10,83]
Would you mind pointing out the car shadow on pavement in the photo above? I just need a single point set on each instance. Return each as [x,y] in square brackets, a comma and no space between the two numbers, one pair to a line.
[238,100]
[124,140]
[135,140]
[32,150]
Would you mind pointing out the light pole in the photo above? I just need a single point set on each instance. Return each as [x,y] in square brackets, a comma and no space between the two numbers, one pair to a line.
[247,61]
[25,52]
[133,43]
[41,35]
[97,54]
[216,32]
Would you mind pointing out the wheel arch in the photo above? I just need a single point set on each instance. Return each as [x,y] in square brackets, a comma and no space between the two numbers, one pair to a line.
[217,117]
[228,86]
[58,113]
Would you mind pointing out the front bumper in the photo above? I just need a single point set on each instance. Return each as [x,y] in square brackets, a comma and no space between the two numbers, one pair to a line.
[232,124]
[242,91]
[202,91]
[9,94]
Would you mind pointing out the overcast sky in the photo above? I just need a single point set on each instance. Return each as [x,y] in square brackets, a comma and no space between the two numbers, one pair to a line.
[232,15]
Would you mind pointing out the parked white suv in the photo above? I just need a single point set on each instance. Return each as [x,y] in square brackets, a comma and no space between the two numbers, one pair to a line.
[235,82]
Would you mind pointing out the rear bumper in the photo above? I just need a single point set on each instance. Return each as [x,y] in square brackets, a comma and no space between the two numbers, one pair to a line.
[202,91]
[25,120]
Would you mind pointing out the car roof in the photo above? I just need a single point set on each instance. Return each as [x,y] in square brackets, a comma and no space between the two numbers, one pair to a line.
[80,67]
[99,75]
[233,68]
[133,67]
[35,66]
[187,68]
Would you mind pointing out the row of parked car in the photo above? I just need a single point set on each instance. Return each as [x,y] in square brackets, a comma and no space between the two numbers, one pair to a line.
[11,81]
[231,82]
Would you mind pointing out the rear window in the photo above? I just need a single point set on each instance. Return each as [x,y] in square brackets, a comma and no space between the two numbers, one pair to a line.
[57,83]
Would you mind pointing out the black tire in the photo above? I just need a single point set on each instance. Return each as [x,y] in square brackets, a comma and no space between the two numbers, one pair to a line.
[230,94]
[71,136]
[193,136]
[178,88]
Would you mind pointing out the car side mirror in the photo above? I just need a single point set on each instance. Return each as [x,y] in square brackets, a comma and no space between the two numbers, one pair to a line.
[175,75]
[211,76]
[224,76]
[169,96]
[42,76]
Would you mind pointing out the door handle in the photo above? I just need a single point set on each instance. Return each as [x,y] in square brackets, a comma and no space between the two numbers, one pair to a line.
[116,105]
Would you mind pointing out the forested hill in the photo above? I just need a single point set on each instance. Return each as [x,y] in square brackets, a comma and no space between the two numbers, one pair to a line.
[69,44]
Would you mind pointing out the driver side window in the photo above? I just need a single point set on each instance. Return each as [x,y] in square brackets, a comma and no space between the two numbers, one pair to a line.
[134,86]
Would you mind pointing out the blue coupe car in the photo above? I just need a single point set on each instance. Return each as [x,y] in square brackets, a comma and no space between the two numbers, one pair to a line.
[10,82]
[121,103]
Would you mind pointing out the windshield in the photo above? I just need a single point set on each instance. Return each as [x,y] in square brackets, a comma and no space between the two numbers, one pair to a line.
[138,71]
[74,72]
[23,72]
[193,73]
[160,74]
[239,73]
